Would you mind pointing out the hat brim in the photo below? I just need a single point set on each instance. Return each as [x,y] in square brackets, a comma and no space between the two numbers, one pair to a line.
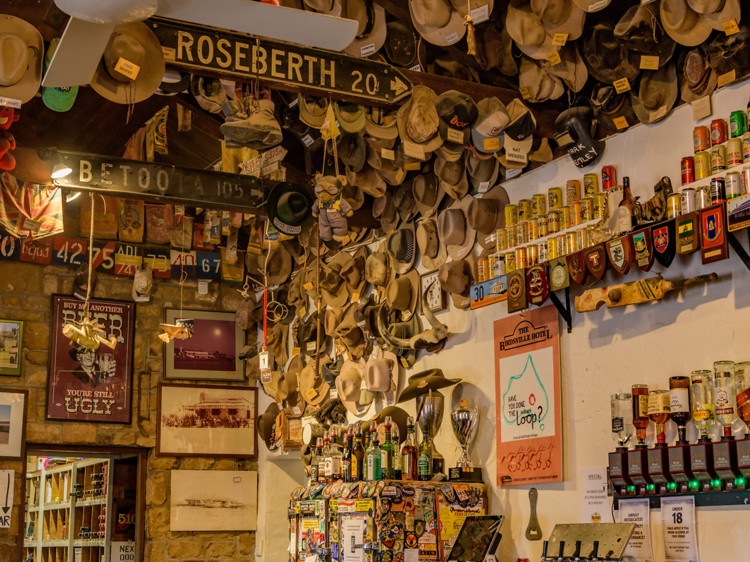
[438,261]
[272,209]
[730,11]
[645,115]
[376,36]
[688,96]
[573,24]
[428,211]
[441,35]
[27,87]
[497,193]
[696,35]
[399,266]
[434,382]
[460,251]
[476,183]
[591,6]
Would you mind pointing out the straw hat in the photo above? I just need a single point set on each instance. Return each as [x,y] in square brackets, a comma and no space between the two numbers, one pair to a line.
[379,268]
[401,246]
[454,229]
[402,294]
[434,252]
[21,57]
[313,388]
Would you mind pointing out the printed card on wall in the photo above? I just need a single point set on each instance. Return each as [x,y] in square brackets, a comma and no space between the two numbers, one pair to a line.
[527,397]
[85,385]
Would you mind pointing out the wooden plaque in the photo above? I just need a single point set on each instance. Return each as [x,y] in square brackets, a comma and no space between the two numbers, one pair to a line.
[577,267]
[537,284]
[664,241]
[517,290]
[714,234]
[643,249]
[559,278]
[688,233]
[620,252]
[596,260]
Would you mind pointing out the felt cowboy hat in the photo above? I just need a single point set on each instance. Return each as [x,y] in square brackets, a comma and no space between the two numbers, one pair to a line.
[727,53]
[312,111]
[331,370]
[392,175]
[417,119]
[385,211]
[289,384]
[494,46]
[332,319]
[289,208]
[405,330]
[427,193]
[379,268]
[267,424]
[312,387]
[401,246]
[377,162]
[349,386]
[591,6]
[492,117]
[717,11]
[208,92]
[454,229]
[274,264]
[381,373]
[541,84]
[367,181]
[371,30]
[350,117]
[402,294]
[421,383]
[696,77]
[451,151]
[609,105]
[656,94]
[487,215]
[276,343]
[353,272]
[570,69]
[379,124]
[606,58]
[560,16]
[404,201]
[447,65]
[401,47]
[309,241]
[308,336]
[452,176]
[138,46]
[332,285]
[640,30]
[350,334]
[353,194]
[398,416]
[528,31]
[21,59]
[456,278]
[483,173]
[683,24]
[430,245]
[436,21]
[352,150]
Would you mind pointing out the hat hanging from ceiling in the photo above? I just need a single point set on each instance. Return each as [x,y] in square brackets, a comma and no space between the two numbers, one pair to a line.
[483,172]
[457,113]
[379,268]
[275,264]
[313,388]
[487,215]
[717,11]
[385,211]
[138,46]
[609,105]
[350,117]
[422,383]
[592,5]
[402,294]
[174,83]
[60,99]
[731,52]
[541,84]
[349,386]
[312,110]
[576,128]
[528,31]
[353,273]
[208,92]
[437,21]
[454,229]
[418,119]
[401,246]
[379,124]
[401,46]
[371,29]
[352,150]
[605,57]
[683,23]
[289,208]
[332,285]
[640,30]
[367,180]
[696,77]
[328,7]
[492,118]
[570,69]
[452,176]
[656,94]
[432,248]
[494,45]
[267,425]
[560,16]
[456,278]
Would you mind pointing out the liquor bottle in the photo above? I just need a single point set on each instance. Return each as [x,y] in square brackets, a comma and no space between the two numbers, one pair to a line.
[396,437]
[388,452]
[622,419]
[702,401]
[724,396]
[321,462]
[742,390]
[336,457]
[346,457]
[425,457]
[659,408]
[626,209]
[374,471]
[679,390]
[367,436]
[358,457]
[315,462]
[640,413]
[328,459]
[410,453]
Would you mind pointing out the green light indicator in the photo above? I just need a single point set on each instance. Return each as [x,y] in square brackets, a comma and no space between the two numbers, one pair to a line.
[694,484]
[631,488]
[671,485]
[740,481]
[650,487]
[716,483]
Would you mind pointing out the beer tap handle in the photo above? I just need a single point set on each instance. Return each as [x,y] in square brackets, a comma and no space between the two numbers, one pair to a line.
[577,554]
[562,549]
[544,551]
[595,552]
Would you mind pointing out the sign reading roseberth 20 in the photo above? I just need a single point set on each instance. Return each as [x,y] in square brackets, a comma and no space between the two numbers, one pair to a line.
[527,398]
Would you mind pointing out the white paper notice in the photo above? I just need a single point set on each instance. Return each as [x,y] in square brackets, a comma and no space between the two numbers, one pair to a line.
[7,479]
[122,551]
[353,535]
[595,502]
[678,521]
[411,555]
[639,545]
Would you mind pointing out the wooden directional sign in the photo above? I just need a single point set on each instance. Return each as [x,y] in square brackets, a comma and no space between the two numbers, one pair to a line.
[195,48]
[172,184]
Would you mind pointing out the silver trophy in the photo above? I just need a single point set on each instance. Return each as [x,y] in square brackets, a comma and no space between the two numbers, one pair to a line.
[430,410]
[465,421]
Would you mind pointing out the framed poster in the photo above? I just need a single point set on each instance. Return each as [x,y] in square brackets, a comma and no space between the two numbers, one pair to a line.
[213,351]
[430,287]
[527,398]
[12,423]
[85,385]
[11,346]
[201,420]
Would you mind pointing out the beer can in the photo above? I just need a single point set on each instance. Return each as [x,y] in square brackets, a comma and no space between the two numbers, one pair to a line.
[587,209]
[734,152]
[491,266]
[687,167]
[532,255]
[580,238]
[733,185]
[746,147]
[538,205]
[501,240]
[571,242]
[718,191]
[511,215]
[590,185]
[575,213]
[737,124]
[482,269]
[521,261]
[562,245]
[524,210]
[552,248]
[553,221]
[499,266]
[674,206]
[510,235]
[532,229]
[510,261]
[687,200]
[542,253]
[702,165]
[718,158]
[573,191]
[609,177]
[542,223]
[554,198]
[589,241]
[563,214]
[701,138]
[702,197]
[600,201]
[521,233]
[718,131]
[745,180]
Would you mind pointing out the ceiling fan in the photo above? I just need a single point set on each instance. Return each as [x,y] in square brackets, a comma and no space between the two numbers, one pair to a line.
[92,21]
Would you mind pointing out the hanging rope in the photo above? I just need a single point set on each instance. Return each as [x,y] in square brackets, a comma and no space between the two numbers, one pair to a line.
[471,41]
[317,305]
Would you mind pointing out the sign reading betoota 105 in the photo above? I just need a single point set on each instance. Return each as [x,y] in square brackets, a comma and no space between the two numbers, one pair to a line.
[193,47]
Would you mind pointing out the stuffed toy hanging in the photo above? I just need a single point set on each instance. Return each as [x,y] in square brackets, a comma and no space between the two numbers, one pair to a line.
[331,208]
[7,142]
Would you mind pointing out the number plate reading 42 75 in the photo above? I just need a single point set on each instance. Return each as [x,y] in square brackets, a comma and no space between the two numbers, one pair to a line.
[69,251]
[489,292]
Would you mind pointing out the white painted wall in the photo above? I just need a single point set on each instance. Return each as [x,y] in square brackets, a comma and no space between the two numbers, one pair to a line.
[607,351]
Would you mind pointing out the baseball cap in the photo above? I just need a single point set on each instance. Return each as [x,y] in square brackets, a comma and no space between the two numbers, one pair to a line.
[457,113]
[491,120]
[57,99]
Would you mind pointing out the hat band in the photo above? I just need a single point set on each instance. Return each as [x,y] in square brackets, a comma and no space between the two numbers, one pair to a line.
[370,20]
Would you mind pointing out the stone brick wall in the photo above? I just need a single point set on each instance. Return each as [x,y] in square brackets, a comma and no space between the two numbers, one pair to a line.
[25,294]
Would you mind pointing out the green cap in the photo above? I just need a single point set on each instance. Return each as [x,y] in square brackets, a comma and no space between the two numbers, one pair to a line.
[57,99]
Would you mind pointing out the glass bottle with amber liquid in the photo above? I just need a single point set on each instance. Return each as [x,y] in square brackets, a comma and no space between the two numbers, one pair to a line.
[626,209]
[346,456]
[659,408]
[640,413]
[358,457]
[410,453]
[396,437]
[742,389]
[679,391]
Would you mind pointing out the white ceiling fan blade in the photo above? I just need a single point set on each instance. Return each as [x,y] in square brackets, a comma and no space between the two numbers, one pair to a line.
[78,54]
[264,20]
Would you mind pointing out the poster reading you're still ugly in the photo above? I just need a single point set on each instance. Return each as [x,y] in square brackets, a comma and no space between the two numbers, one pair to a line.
[86,385]
[527,398]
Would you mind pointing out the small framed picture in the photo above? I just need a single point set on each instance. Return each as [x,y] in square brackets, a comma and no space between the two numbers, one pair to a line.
[201,420]
[212,353]
[12,423]
[11,345]
[290,427]
[431,291]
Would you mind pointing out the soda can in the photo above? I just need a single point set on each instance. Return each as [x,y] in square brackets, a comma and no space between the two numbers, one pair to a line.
[553,222]
[511,215]
[737,124]
[510,235]
[542,253]
[542,223]
[687,167]
[701,139]
[746,147]
[587,209]
[702,197]
[718,191]
[575,213]
[521,233]
[600,201]
[524,210]
[718,158]
[573,191]
[532,229]
[552,248]
[733,185]
[745,180]
[718,132]
[510,262]
[501,240]
[554,198]
[590,185]
[482,269]
[674,206]
[609,177]
[563,214]
[734,152]
[532,255]
[538,205]
[571,243]
[562,245]
[702,165]
[521,260]
[687,200]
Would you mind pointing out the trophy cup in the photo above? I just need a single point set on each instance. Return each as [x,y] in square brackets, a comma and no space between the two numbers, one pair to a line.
[430,409]
[465,421]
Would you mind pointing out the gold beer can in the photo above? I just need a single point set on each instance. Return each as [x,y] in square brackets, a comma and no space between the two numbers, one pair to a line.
[553,222]
[554,198]
[563,214]
[587,209]
[552,248]
[532,229]
[532,255]
[524,210]
[600,200]
[702,165]
[501,240]
[573,191]
[521,233]
[521,260]
[562,246]
[510,261]
[511,215]
[575,213]
[590,185]
[543,225]
[571,243]
[538,205]
[510,235]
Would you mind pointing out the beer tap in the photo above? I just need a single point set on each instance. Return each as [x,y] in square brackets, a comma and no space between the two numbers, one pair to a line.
[577,553]
[595,553]
[544,551]
[562,550]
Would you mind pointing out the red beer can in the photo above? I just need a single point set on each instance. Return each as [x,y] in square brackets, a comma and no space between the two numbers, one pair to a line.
[718,131]
[609,177]
[688,170]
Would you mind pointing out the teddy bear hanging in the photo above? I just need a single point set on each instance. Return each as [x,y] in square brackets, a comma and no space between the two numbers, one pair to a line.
[331,208]
[7,117]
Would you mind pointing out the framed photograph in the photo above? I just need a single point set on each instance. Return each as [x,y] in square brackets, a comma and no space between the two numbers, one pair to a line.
[11,346]
[85,385]
[213,351]
[201,420]
[436,297]
[12,423]
[213,500]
